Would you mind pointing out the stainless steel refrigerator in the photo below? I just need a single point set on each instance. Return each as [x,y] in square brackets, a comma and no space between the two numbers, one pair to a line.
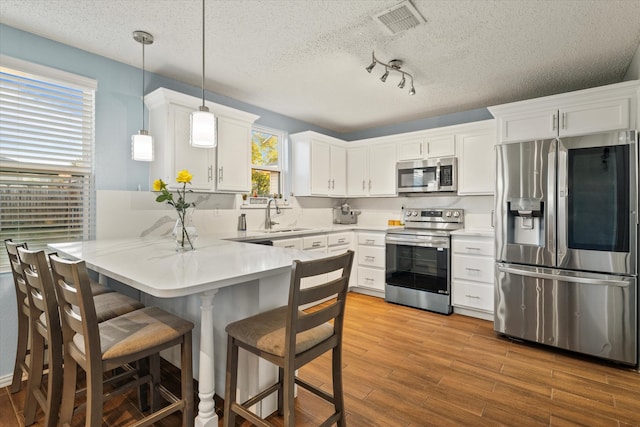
[566,244]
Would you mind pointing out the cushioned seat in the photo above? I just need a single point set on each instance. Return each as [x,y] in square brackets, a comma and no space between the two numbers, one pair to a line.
[266,331]
[290,338]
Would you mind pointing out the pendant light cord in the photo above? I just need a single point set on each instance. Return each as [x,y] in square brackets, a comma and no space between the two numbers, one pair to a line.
[203,53]
[142,85]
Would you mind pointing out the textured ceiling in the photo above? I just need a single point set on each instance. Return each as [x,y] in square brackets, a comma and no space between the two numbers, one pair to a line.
[306,58]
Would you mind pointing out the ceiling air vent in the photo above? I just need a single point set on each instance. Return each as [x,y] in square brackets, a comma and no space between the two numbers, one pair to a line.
[400,17]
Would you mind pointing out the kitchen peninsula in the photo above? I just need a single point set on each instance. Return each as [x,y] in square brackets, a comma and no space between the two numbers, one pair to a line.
[244,279]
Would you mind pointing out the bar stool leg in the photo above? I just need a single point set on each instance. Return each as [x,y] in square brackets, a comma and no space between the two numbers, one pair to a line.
[336,359]
[68,390]
[186,372]
[54,386]
[21,352]
[231,385]
[35,378]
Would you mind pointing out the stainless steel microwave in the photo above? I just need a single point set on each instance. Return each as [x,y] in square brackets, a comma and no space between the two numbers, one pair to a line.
[427,176]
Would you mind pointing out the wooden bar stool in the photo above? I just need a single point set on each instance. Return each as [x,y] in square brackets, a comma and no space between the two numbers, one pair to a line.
[46,333]
[118,342]
[290,338]
[20,366]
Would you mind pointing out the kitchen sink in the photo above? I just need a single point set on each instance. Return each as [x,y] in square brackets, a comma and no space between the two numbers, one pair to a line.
[283,230]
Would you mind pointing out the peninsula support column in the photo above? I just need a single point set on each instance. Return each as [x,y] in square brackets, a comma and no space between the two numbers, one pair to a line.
[207,416]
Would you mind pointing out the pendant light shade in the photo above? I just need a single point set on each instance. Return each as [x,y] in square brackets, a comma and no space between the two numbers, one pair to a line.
[142,146]
[203,123]
[142,142]
[203,129]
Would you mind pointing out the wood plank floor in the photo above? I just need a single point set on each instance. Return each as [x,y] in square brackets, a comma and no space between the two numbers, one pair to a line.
[408,367]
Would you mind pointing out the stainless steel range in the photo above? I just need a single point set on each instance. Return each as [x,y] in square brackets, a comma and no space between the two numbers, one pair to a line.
[418,259]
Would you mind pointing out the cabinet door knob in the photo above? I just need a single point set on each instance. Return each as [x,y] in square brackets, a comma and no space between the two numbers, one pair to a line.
[220,173]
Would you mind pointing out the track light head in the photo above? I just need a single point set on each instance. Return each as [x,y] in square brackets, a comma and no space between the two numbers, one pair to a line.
[401,84]
[385,75]
[412,91]
[370,67]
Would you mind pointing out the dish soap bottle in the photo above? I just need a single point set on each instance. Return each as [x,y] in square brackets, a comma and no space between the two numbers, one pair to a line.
[242,222]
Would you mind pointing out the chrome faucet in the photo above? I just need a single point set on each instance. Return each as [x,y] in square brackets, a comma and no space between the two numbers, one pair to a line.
[268,224]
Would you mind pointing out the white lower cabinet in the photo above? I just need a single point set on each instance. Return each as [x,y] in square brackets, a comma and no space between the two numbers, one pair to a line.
[314,244]
[293,243]
[339,243]
[370,258]
[472,269]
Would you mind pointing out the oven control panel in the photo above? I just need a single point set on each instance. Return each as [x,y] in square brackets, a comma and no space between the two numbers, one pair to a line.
[434,215]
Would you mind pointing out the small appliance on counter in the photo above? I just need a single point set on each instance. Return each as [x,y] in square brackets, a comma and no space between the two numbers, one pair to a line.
[343,214]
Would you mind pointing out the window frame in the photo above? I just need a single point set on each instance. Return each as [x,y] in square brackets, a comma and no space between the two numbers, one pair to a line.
[280,168]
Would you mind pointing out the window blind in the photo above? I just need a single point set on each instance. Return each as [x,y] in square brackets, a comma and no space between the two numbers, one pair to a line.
[46,157]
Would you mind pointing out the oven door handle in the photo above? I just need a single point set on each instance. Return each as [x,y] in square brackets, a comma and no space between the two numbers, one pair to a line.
[428,243]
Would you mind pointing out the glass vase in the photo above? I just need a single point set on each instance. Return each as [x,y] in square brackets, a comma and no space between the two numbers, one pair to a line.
[185,232]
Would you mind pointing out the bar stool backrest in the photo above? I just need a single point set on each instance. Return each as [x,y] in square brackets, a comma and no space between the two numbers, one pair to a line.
[41,294]
[73,288]
[16,271]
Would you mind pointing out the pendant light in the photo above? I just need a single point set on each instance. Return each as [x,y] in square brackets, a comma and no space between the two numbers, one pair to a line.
[142,142]
[203,123]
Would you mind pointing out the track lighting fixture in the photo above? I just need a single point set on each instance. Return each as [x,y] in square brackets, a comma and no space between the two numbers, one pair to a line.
[393,65]
[142,142]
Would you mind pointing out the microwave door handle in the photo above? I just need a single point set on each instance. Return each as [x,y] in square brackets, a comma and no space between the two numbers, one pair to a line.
[438,175]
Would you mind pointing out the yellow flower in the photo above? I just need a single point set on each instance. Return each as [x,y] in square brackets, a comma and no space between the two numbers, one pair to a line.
[157,185]
[183,176]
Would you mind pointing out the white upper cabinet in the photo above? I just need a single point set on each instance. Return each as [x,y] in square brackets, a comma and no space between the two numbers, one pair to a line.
[357,171]
[319,165]
[439,146]
[476,158]
[382,170]
[427,147]
[169,114]
[601,109]
[371,170]
[412,149]
[234,155]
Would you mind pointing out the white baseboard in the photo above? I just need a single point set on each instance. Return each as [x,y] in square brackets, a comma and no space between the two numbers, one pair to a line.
[5,380]
[479,314]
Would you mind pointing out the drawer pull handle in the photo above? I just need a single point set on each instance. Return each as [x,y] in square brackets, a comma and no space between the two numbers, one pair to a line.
[315,244]
[469,248]
[472,269]
[369,258]
[472,296]
[290,246]
[370,241]
[368,279]
[341,240]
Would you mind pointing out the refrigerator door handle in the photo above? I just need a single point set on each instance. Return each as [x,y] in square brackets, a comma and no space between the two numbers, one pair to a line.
[562,185]
[563,278]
